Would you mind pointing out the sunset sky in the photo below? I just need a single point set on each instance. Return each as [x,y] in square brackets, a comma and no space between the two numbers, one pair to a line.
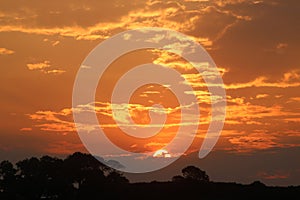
[255,45]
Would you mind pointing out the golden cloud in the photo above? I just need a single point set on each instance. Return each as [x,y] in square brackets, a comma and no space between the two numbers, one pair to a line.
[261,96]
[54,121]
[38,66]
[43,67]
[289,79]
[4,51]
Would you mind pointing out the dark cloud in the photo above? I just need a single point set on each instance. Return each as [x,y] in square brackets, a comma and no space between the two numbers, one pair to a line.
[212,22]
[250,48]
[56,13]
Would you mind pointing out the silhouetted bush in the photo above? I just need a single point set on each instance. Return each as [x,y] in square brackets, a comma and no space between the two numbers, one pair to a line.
[192,174]
[178,178]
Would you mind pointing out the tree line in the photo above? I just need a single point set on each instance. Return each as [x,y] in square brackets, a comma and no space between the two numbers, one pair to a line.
[81,176]
[54,178]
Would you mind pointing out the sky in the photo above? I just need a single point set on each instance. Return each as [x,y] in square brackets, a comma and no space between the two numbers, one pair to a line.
[255,45]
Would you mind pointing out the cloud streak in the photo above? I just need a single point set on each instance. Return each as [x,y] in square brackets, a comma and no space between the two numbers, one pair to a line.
[289,79]
[44,68]
[4,51]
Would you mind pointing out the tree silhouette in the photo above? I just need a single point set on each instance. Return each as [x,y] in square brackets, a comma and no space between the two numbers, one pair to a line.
[7,179]
[81,168]
[44,176]
[193,173]
[79,176]
[30,178]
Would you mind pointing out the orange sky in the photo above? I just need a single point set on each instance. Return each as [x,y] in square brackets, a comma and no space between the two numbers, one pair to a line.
[255,44]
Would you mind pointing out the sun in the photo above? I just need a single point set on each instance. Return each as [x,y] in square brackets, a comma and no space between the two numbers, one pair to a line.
[162,153]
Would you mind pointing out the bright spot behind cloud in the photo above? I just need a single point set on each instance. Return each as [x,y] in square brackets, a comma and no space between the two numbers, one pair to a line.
[162,153]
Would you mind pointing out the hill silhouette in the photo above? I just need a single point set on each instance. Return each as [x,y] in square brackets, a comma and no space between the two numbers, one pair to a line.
[81,176]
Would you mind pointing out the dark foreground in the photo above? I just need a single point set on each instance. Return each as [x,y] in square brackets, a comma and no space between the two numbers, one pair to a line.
[171,190]
[218,191]
[81,176]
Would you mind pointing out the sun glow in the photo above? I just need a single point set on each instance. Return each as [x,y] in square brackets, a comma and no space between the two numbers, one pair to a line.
[162,153]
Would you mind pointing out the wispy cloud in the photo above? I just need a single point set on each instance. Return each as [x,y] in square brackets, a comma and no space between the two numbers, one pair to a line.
[26,129]
[274,175]
[261,96]
[253,141]
[54,121]
[4,51]
[44,68]
[38,66]
[289,79]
